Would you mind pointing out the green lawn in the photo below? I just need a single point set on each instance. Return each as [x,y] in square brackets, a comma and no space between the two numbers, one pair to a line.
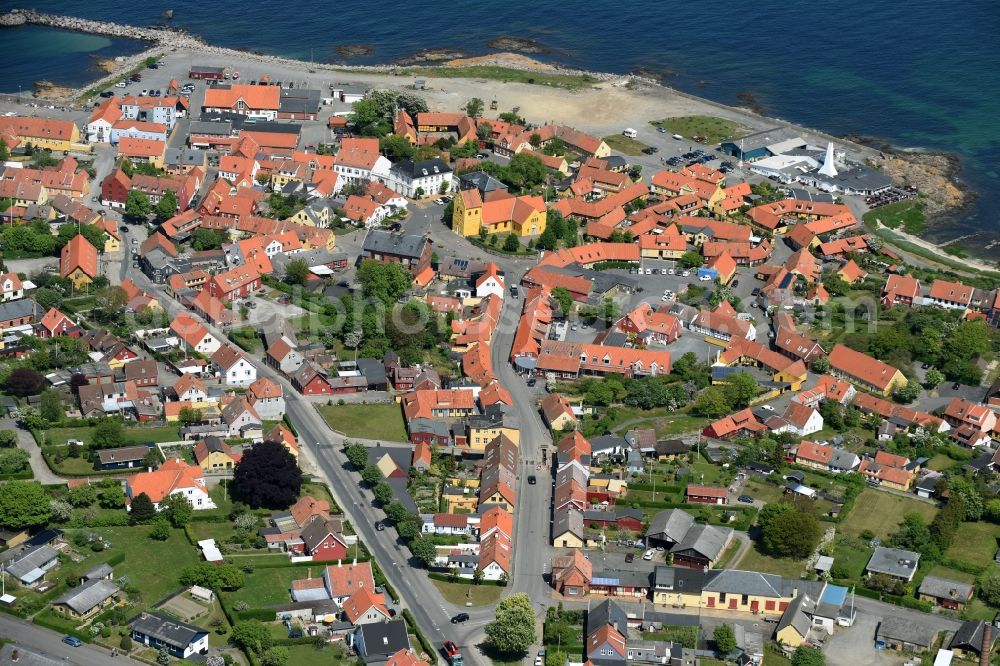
[952,574]
[375,421]
[308,655]
[755,560]
[268,587]
[853,553]
[940,462]
[882,512]
[624,144]
[133,435]
[150,565]
[505,74]
[714,130]
[975,543]
[906,214]
[456,593]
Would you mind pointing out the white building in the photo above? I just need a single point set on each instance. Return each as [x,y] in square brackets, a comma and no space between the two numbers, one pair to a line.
[423,178]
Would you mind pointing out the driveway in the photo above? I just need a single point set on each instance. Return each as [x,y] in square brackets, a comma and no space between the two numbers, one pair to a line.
[25,441]
[856,645]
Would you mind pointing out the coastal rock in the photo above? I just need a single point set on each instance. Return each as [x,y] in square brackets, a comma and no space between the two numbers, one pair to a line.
[431,56]
[932,174]
[354,50]
[516,45]
[750,101]
[12,19]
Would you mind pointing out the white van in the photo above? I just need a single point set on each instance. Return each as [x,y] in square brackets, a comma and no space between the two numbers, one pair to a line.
[630,133]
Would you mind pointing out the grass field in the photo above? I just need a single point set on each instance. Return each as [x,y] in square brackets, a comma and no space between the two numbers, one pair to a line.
[377,421]
[505,74]
[714,130]
[940,462]
[952,574]
[135,435]
[308,655]
[906,214]
[852,553]
[882,512]
[151,565]
[482,595]
[267,587]
[754,560]
[624,144]
[975,543]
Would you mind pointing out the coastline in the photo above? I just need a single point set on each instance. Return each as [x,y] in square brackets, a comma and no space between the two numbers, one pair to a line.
[166,40]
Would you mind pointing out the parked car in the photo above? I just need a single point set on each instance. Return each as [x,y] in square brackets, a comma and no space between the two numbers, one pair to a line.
[629,557]
[705,278]
[956,386]
[439,202]
[746,499]
[72,640]
[648,555]
[532,480]
[123,229]
[461,617]
[121,84]
[379,527]
[686,274]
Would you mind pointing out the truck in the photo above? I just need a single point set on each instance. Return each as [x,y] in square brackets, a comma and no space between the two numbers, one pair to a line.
[452,653]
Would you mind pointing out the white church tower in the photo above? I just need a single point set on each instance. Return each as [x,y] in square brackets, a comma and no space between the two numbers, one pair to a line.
[828,169]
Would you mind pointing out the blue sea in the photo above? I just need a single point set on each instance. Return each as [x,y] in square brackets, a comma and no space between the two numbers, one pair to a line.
[919,74]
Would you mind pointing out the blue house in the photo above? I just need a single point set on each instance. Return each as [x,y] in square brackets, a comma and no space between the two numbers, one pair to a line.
[181,639]
[766,143]
[125,457]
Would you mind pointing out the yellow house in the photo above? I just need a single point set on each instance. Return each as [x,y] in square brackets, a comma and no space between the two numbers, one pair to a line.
[214,455]
[78,261]
[23,193]
[56,135]
[480,436]
[288,172]
[460,500]
[525,216]
[795,624]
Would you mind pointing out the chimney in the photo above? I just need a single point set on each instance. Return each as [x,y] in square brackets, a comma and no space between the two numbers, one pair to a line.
[984,650]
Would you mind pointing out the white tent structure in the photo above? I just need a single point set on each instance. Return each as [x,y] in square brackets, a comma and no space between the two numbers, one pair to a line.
[828,169]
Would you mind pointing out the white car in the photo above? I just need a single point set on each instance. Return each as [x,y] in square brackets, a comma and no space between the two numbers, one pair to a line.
[768,408]
[705,278]
[648,555]
[670,271]
[439,202]
[686,274]
[664,298]
[121,84]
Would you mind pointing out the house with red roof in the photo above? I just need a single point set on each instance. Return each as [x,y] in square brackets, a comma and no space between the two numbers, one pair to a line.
[797,419]
[260,102]
[900,290]
[365,607]
[850,272]
[233,367]
[174,477]
[952,295]
[490,282]
[238,282]
[193,334]
[55,323]
[865,371]
[267,398]
[696,494]
[740,424]
[78,261]
[650,326]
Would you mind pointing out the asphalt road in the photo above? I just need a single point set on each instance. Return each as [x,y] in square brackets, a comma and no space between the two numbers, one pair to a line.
[50,644]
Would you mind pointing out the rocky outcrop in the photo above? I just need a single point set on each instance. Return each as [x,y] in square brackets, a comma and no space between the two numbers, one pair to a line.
[932,174]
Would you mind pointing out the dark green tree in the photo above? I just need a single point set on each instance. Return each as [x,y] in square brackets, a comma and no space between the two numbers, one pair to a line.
[143,509]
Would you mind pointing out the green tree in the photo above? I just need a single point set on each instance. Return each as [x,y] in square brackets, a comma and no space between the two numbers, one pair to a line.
[4,151]
[161,529]
[178,510]
[296,272]
[808,655]
[371,475]
[511,244]
[112,496]
[23,382]
[206,239]
[66,232]
[24,504]
[83,496]
[932,379]
[740,388]
[253,636]
[357,455]
[408,528]
[691,259]
[423,549]
[563,299]
[125,644]
[109,434]
[137,206]
[771,511]
[513,630]
[791,534]
[189,415]
[163,656]
[397,148]
[166,207]
[907,394]
[8,438]
[383,282]
[395,512]
[725,639]
[276,656]
[61,510]
[989,590]
[712,402]
[143,509]
[382,492]
[474,107]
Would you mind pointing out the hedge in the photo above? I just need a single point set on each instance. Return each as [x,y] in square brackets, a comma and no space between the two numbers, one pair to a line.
[424,643]
[58,625]
[18,476]
[964,567]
